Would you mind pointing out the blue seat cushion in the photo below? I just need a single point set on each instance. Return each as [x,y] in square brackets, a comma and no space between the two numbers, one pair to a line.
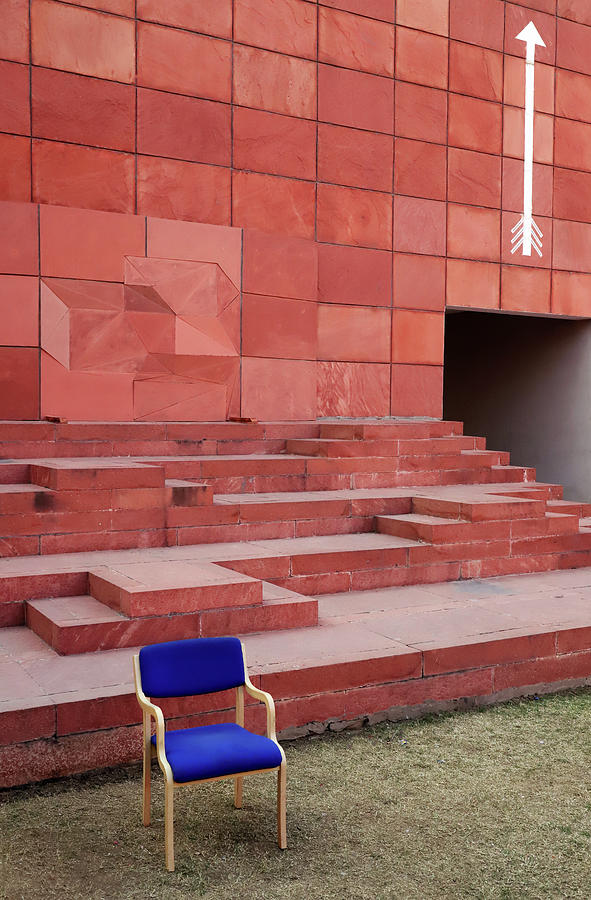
[212,750]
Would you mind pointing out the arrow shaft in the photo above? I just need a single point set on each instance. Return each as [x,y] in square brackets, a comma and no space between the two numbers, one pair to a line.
[528,150]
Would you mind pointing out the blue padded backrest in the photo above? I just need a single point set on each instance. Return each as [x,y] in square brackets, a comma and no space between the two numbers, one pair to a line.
[196,666]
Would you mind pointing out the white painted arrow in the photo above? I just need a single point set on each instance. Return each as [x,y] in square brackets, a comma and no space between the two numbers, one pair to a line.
[526,233]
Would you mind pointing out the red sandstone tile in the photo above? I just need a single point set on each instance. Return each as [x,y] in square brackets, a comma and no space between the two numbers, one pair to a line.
[513,187]
[263,389]
[417,390]
[357,158]
[355,42]
[353,389]
[19,383]
[429,15]
[473,232]
[419,282]
[476,71]
[420,169]
[525,289]
[477,22]
[571,293]
[26,720]
[19,239]
[15,168]
[472,285]
[474,178]
[572,195]
[475,124]
[516,18]
[175,189]
[118,7]
[576,10]
[282,84]
[417,337]
[274,204]
[287,26]
[509,219]
[421,58]
[571,245]
[182,62]
[572,46]
[351,216]
[77,243]
[572,144]
[277,145]
[353,333]
[14,35]
[420,113]
[83,176]
[14,99]
[354,275]
[183,127]
[195,240]
[542,671]
[514,80]
[280,266]
[573,95]
[375,9]
[82,41]
[289,331]
[419,226]
[356,99]
[19,311]
[83,110]
[207,16]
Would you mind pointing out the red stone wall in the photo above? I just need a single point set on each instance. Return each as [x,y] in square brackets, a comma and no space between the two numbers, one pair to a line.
[389,136]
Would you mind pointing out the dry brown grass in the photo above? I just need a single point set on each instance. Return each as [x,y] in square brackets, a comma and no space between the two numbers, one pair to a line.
[494,803]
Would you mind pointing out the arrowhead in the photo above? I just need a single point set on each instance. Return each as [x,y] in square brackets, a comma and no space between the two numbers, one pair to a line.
[531,35]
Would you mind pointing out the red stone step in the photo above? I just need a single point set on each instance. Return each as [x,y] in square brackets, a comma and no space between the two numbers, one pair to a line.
[568,506]
[485,509]
[82,474]
[361,430]
[438,530]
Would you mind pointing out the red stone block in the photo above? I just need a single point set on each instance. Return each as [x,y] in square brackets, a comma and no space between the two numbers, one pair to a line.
[472,285]
[82,41]
[542,671]
[19,238]
[513,186]
[476,71]
[176,189]
[356,158]
[473,232]
[353,389]
[419,282]
[572,46]
[576,10]
[572,194]
[419,226]
[474,178]
[573,639]
[420,169]
[14,35]
[290,327]
[375,9]
[19,383]
[572,144]
[207,16]
[15,168]
[417,337]
[475,124]
[14,100]
[280,266]
[83,110]
[197,241]
[270,203]
[429,15]
[287,26]
[83,176]
[421,113]
[572,245]
[358,334]
[354,275]
[477,22]
[19,311]
[79,243]
[282,84]
[417,390]
[355,42]
[514,80]
[516,18]
[356,99]
[183,127]
[513,131]
[546,225]
[488,652]
[183,62]
[263,389]
[351,216]
[421,58]
[571,293]
[28,720]
[277,145]
[573,95]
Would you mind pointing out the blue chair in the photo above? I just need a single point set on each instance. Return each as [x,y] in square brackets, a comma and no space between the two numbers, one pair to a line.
[208,752]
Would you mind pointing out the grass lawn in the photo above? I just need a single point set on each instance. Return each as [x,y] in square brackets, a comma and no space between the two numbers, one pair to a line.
[492,803]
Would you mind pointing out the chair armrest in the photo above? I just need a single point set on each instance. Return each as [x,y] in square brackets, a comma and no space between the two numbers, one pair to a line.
[156,713]
[269,703]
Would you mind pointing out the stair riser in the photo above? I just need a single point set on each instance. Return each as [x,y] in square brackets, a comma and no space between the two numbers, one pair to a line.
[399,430]
[479,512]
[478,531]
[73,479]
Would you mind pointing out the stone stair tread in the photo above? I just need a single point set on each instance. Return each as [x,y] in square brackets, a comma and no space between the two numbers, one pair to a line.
[24,488]
[67,612]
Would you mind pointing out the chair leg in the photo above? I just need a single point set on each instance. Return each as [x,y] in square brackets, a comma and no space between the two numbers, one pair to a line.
[238,792]
[281,807]
[169,825]
[147,789]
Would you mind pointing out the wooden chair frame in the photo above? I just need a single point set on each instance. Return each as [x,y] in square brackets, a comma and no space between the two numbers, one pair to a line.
[152,711]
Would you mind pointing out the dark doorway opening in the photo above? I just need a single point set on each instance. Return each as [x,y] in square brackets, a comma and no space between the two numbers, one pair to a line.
[524,383]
